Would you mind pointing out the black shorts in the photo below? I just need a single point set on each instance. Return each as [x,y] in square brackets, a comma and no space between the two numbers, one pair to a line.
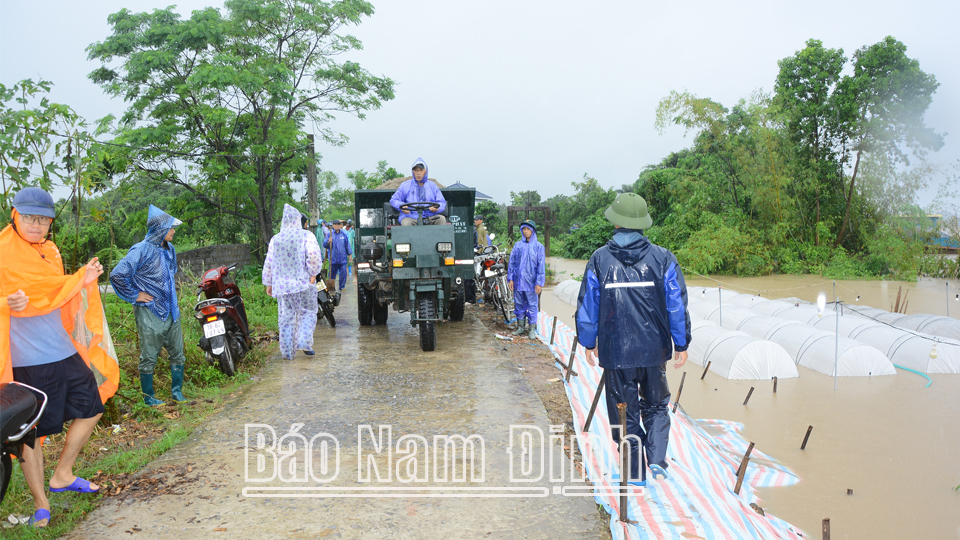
[71,391]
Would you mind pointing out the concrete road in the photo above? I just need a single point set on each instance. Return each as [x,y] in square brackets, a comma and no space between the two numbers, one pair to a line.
[365,376]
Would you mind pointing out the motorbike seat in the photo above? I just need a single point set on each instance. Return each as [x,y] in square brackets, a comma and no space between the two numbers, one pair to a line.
[17,407]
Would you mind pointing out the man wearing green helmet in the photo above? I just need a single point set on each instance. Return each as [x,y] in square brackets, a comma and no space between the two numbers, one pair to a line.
[631,315]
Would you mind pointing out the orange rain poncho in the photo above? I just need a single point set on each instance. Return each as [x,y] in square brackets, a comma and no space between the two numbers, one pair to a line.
[37,269]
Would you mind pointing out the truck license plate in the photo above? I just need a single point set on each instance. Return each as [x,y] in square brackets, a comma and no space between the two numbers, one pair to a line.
[214,328]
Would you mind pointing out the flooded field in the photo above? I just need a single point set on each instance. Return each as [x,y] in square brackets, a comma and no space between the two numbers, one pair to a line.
[893,442]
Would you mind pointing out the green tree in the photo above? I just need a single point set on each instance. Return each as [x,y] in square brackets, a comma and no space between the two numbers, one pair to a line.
[44,144]
[233,93]
[882,105]
[525,198]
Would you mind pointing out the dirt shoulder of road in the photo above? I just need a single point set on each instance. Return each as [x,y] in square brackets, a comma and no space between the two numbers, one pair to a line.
[540,368]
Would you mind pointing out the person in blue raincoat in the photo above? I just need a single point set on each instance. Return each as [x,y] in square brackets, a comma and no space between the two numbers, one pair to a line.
[351,235]
[420,189]
[526,277]
[340,252]
[145,278]
[631,315]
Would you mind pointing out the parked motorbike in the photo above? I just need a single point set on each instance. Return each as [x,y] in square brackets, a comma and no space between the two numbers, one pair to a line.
[490,266]
[20,409]
[326,300]
[226,333]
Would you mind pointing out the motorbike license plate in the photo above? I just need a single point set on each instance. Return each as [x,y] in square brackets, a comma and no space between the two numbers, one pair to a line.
[214,328]
[489,273]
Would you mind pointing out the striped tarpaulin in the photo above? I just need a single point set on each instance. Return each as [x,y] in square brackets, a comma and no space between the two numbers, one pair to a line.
[697,501]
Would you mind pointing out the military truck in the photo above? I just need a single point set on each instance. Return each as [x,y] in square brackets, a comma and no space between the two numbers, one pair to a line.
[416,269]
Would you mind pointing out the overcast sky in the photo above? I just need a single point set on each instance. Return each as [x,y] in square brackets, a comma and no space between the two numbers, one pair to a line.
[516,95]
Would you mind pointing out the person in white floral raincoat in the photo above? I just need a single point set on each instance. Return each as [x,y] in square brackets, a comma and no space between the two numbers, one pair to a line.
[289,273]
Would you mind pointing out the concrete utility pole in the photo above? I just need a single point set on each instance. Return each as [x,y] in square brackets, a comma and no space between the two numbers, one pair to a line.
[312,187]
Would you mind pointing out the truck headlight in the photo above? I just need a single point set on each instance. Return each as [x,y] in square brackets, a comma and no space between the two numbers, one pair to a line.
[444,247]
[403,248]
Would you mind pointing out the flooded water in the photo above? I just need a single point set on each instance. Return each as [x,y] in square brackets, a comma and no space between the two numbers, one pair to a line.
[893,442]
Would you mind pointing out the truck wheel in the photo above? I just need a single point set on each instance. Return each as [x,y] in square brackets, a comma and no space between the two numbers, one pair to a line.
[364,305]
[457,305]
[428,332]
[380,312]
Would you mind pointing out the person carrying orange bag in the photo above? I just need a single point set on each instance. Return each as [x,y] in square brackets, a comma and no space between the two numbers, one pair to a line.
[53,336]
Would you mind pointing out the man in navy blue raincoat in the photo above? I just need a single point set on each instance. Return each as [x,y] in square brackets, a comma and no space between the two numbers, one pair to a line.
[340,252]
[145,278]
[526,276]
[419,189]
[632,314]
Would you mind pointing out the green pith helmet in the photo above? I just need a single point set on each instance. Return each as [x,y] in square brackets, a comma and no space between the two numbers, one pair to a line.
[529,223]
[629,211]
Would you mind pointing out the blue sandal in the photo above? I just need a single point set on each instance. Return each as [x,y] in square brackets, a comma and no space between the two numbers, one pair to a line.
[40,515]
[79,485]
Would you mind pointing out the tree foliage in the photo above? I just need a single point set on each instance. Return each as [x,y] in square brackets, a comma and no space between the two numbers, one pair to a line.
[232,94]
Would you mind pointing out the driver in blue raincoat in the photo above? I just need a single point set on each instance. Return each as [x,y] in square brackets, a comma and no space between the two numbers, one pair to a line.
[525,277]
[419,189]
[145,278]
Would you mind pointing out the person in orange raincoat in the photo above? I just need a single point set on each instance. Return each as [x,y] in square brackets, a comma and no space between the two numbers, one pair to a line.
[54,337]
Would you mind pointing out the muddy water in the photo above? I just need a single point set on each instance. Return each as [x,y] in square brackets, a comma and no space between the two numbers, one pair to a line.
[893,442]
[362,375]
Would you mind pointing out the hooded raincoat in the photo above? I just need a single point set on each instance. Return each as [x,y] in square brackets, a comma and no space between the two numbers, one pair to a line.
[37,269]
[340,250]
[413,191]
[527,269]
[293,257]
[633,308]
[149,266]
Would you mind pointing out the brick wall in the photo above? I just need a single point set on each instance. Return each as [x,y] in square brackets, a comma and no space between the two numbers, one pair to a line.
[191,264]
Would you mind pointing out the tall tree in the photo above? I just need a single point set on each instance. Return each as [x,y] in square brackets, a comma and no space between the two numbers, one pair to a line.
[233,93]
[882,105]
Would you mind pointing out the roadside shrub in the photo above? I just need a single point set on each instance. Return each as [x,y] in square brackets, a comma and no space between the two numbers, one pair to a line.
[581,243]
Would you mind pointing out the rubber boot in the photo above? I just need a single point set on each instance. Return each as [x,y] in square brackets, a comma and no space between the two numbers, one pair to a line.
[146,386]
[532,330]
[521,328]
[176,382]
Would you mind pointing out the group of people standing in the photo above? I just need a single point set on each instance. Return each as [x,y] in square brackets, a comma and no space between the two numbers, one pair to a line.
[631,316]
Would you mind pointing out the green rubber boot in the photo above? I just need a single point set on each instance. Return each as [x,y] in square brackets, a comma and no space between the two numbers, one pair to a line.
[521,328]
[532,331]
[176,382]
[146,386]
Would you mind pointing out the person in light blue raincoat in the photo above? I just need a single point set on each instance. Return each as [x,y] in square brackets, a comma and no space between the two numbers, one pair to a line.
[340,252]
[420,189]
[526,276]
[145,278]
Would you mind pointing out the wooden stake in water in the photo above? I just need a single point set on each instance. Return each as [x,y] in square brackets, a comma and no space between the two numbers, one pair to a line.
[774,385]
[706,369]
[750,393]
[826,528]
[805,437]
[553,332]
[679,391]
[742,471]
